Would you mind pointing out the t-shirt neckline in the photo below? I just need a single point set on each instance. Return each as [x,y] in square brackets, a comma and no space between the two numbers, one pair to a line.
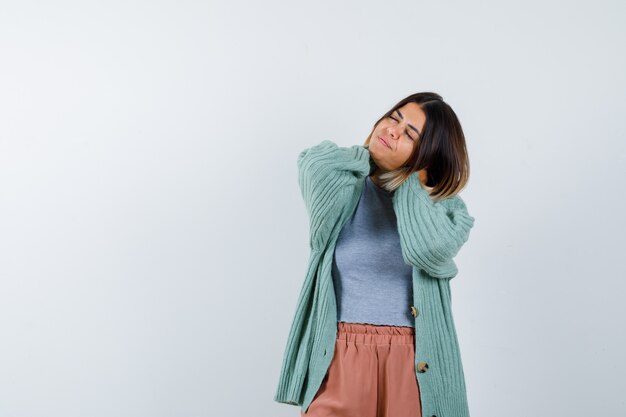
[377,188]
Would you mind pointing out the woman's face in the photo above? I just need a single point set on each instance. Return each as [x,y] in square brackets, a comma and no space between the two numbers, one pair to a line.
[395,137]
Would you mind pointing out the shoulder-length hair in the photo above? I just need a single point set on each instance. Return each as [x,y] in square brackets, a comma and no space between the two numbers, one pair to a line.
[440,149]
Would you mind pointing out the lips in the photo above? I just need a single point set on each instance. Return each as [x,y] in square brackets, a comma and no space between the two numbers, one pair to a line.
[384,141]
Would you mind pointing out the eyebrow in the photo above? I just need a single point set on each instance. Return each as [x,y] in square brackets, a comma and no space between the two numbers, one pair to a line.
[410,125]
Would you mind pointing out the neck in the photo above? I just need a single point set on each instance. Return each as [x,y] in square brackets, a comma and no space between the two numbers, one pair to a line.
[423,176]
[375,176]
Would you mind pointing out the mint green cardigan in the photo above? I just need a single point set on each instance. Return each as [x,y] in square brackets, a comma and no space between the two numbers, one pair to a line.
[331,179]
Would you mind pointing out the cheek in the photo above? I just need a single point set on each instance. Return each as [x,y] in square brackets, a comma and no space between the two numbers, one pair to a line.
[404,152]
[381,128]
[406,149]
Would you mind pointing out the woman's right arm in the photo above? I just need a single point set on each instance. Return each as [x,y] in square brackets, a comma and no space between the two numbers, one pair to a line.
[324,172]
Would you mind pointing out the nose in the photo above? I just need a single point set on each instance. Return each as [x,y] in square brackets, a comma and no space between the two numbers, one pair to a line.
[391,131]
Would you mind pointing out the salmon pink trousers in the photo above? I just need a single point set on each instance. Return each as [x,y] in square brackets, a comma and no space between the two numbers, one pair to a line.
[371,374]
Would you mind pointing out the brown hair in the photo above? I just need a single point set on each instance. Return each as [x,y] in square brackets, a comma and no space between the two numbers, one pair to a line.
[440,149]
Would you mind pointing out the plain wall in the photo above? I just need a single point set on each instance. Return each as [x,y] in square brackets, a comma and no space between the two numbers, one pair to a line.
[153,240]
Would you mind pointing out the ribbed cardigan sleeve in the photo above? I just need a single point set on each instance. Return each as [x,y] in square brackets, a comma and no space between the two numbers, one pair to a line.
[324,171]
[432,233]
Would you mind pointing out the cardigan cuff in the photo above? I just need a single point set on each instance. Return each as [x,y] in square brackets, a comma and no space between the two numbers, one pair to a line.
[447,404]
[289,389]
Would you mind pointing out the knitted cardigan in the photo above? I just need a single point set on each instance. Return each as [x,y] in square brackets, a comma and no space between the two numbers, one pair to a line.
[331,179]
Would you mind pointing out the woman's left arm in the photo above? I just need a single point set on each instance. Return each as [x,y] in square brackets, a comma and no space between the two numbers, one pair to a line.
[431,233]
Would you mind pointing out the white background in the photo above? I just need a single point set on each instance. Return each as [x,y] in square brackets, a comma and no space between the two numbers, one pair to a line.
[153,240]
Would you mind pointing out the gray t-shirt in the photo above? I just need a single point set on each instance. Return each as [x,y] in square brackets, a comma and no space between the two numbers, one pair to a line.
[372,282]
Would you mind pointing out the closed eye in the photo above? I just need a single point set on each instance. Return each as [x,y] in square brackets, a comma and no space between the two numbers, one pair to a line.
[396,120]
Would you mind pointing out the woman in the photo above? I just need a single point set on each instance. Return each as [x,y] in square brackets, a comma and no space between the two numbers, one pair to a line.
[373,333]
